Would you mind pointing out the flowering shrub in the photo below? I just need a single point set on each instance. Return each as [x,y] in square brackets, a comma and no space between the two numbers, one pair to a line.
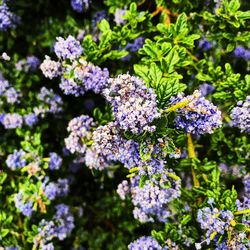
[124,125]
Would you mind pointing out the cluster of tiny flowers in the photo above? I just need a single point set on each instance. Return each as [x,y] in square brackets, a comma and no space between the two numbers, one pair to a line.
[98,16]
[30,64]
[56,189]
[145,242]
[50,68]
[151,200]
[16,160]
[87,77]
[133,47]
[80,5]
[246,182]
[134,105]
[68,48]
[119,16]
[52,103]
[241,115]
[59,227]
[55,161]
[93,77]
[242,53]
[11,120]
[11,94]
[31,119]
[7,18]
[108,141]
[26,207]
[217,222]
[206,89]
[214,221]
[198,116]
[80,129]
[123,189]
[204,44]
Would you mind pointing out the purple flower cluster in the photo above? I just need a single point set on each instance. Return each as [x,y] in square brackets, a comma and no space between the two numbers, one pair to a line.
[32,63]
[69,48]
[206,89]
[204,44]
[86,77]
[7,18]
[80,5]
[109,143]
[11,121]
[51,102]
[133,47]
[134,105]
[50,68]
[123,189]
[136,45]
[80,129]
[98,16]
[93,77]
[55,161]
[151,200]
[242,53]
[16,160]
[26,207]
[30,119]
[56,189]
[147,243]
[10,93]
[241,115]
[71,86]
[198,115]
[59,227]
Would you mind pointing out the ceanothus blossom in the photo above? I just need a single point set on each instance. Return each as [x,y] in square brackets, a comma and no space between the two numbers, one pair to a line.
[134,105]
[145,243]
[7,18]
[241,115]
[198,115]
[68,48]
[11,121]
[50,68]
[16,160]
[80,5]
[80,129]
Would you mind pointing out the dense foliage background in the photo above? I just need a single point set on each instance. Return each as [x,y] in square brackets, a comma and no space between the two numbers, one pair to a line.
[53,196]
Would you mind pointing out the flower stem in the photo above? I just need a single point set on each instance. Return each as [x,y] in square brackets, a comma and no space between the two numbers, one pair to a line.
[191,155]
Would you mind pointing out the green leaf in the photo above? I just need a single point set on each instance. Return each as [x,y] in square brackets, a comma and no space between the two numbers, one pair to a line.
[181,25]
[240,227]
[233,6]
[143,180]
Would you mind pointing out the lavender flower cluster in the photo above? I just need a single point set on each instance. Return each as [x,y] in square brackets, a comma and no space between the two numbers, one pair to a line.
[241,115]
[145,242]
[80,5]
[7,18]
[8,92]
[68,48]
[134,105]
[60,226]
[30,64]
[198,115]
[219,222]
[56,189]
[242,53]
[80,129]
[151,200]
